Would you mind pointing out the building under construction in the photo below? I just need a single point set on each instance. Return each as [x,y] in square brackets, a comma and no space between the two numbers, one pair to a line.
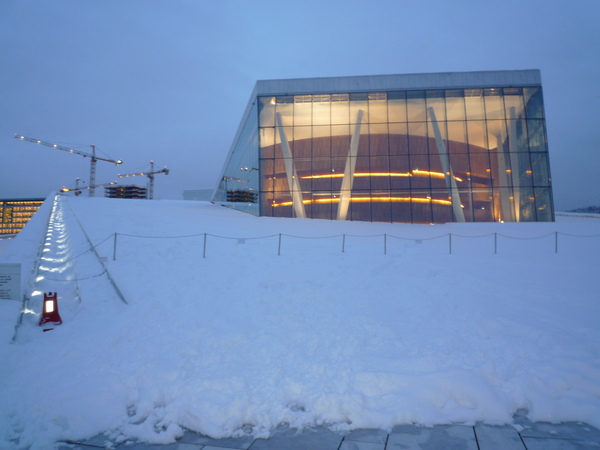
[15,213]
[127,191]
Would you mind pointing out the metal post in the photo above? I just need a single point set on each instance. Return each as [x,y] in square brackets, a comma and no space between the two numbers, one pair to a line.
[556,242]
[450,243]
[115,248]
[204,249]
[92,186]
[495,243]
[384,243]
[343,242]
[279,246]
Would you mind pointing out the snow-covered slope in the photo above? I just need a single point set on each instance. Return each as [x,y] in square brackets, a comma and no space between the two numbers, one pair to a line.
[190,315]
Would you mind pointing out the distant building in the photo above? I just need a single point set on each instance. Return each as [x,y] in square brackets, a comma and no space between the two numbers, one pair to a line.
[15,213]
[418,148]
[127,191]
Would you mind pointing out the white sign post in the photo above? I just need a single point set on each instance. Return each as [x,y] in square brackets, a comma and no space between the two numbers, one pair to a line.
[10,281]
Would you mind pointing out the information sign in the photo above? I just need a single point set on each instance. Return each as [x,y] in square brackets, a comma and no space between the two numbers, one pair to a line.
[10,281]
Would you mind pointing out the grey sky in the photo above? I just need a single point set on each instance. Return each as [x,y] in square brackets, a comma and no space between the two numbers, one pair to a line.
[168,80]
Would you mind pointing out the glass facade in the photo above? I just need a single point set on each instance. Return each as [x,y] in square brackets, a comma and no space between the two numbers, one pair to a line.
[416,156]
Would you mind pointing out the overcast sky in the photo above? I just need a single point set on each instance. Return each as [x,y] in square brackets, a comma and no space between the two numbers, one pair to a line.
[168,80]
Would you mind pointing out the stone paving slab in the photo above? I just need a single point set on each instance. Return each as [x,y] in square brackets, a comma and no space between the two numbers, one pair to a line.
[522,436]
[457,437]
[557,444]
[243,443]
[309,439]
[494,438]
[357,445]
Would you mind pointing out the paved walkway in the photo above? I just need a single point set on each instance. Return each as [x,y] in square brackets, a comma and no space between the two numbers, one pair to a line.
[523,436]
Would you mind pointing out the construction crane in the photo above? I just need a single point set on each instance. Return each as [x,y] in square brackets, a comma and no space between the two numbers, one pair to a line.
[94,158]
[78,189]
[150,176]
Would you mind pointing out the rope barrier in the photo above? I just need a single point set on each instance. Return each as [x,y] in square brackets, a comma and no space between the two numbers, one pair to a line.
[385,237]
[77,279]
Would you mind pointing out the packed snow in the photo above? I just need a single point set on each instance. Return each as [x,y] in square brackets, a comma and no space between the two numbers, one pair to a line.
[189,315]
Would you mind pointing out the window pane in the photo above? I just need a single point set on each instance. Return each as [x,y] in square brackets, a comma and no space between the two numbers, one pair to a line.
[533,103]
[543,202]
[321,110]
[417,138]
[267,142]
[322,173]
[301,145]
[401,210]
[363,168]
[477,135]
[494,104]
[455,105]
[381,209]
[267,169]
[540,168]
[415,106]
[378,107]
[397,106]
[435,101]
[378,135]
[537,135]
[398,142]
[340,140]
[474,104]
[302,113]
[266,111]
[359,102]
[457,137]
[380,169]
[400,172]
[340,109]
[321,141]
[513,101]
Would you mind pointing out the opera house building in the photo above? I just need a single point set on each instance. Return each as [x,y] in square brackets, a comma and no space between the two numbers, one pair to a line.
[415,148]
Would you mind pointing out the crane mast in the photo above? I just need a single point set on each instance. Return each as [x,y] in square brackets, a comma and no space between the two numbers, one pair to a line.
[93,158]
[150,176]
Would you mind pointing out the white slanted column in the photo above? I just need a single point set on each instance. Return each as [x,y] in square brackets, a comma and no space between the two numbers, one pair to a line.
[506,203]
[292,176]
[459,214]
[348,180]
[514,162]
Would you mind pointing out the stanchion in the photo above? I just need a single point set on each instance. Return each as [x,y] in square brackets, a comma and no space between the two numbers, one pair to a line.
[115,248]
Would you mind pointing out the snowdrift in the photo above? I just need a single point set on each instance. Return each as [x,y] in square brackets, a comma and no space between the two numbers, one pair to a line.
[186,315]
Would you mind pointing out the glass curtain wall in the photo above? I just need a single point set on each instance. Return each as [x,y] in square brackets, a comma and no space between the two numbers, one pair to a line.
[433,156]
[239,185]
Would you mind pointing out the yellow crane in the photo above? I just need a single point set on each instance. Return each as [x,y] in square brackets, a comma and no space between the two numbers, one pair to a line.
[77,190]
[150,176]
[92,156]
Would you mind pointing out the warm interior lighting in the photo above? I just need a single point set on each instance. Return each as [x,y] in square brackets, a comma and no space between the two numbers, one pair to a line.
[425,173]
[368,199]
[415,172]
[359,174]
[48,307]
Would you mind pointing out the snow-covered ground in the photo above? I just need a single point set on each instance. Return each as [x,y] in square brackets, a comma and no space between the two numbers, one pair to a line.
[265,321]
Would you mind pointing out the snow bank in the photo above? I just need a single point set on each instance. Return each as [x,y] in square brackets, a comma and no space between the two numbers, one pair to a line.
[408,324]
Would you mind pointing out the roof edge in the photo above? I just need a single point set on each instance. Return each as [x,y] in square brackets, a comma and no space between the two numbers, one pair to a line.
[362,83]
